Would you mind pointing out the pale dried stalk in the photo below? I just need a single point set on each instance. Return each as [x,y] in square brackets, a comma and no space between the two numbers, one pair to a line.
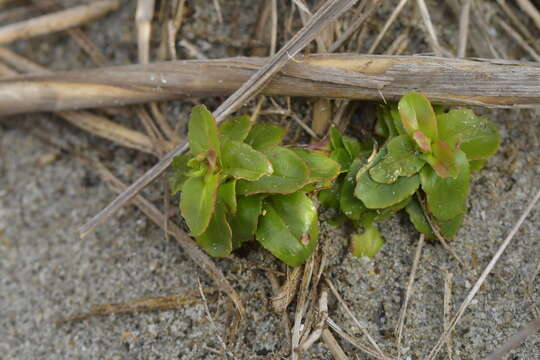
[517,23]
[447,310]
[317,332]
[95,124]
[530,10]
[532,328]
[432,36]
[464,29]
[408,293]
[143,18]
[433,353]
[517,37]
[490,83]
[286,293]
[327,13]
[332,344]
[57,21]
[387,25]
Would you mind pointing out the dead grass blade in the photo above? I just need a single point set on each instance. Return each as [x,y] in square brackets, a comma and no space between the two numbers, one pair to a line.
[433,353]
[143,19]
[327,13]
[387,25]
[518,38]
[489,83]
[408,294]
[159,303]
[532,328]
[530,10]
[432,36]
[464,29]
[57,21]
[332,344]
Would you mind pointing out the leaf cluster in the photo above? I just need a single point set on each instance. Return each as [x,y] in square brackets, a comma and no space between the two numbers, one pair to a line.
[238,183]
[424,149]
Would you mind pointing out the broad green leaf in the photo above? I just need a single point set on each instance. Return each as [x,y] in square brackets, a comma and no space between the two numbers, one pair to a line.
[290,174]
[342,157]
[227,194]
[352,146]
[376,195]
[367,243]
[444,162]
[448,228]
[236,129]
[336,139]
[348,204]
[242,162]
[320,165]
[477,136]
[198,201]
[477,165]
[396,119]
[330,198]
[244,222]
[264,135]
[423,142]
[417,113]
[402,159]
[376,215]
[180,173]
[203,131]
[289,228]
[216,240]
[447,197]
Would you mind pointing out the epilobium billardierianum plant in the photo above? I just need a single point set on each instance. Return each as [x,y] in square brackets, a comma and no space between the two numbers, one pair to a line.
[424,150]
[238,183]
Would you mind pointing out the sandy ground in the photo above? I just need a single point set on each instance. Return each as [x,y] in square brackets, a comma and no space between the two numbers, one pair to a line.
[47,272]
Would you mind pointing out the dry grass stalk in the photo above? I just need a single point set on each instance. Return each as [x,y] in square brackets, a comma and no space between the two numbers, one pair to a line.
[530,290]
[447,310]
[360,326]
[57,21]
[317,332]
[530,10]
[332,344]
[301,308]
[159,303]
[532,328]
[433,353]
[143,19]
[95,124]
[490,83]
[408,294]
[518,38]
[325,15]
[432,36]
[287,292]
[464,29]
[519,25]
[389,22]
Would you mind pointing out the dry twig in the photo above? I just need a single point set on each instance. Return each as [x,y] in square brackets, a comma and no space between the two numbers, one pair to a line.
[432,36]
[433,353]
[530,10]
[464,29]
[532,328]
[58,21]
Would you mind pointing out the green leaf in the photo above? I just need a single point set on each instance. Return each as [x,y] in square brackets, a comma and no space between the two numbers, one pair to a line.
[198,201]
[227,194]
[242,162]
[377,195]
[342,157]
[376,215]
[203,131]
[330,198]
[180,173]
[290,174]
[477,165]
[336,139]
[443,160]
[236,129]
[447,197]
[448,228]
[320,165]
[417,114]
[264,135]
[348,204]
[289,227]
[352,146]
[244,222]
[402,159]
[367,243]
[216,240]
[477,136]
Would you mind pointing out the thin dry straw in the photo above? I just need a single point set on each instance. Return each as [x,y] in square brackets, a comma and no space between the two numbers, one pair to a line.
[327,13]
[482,278]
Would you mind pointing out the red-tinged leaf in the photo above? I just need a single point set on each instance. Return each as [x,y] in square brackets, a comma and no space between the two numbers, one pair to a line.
[417,113]
[423,142]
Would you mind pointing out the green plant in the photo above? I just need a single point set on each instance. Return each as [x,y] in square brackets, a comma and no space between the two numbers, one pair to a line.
[423,148]
[238,183]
